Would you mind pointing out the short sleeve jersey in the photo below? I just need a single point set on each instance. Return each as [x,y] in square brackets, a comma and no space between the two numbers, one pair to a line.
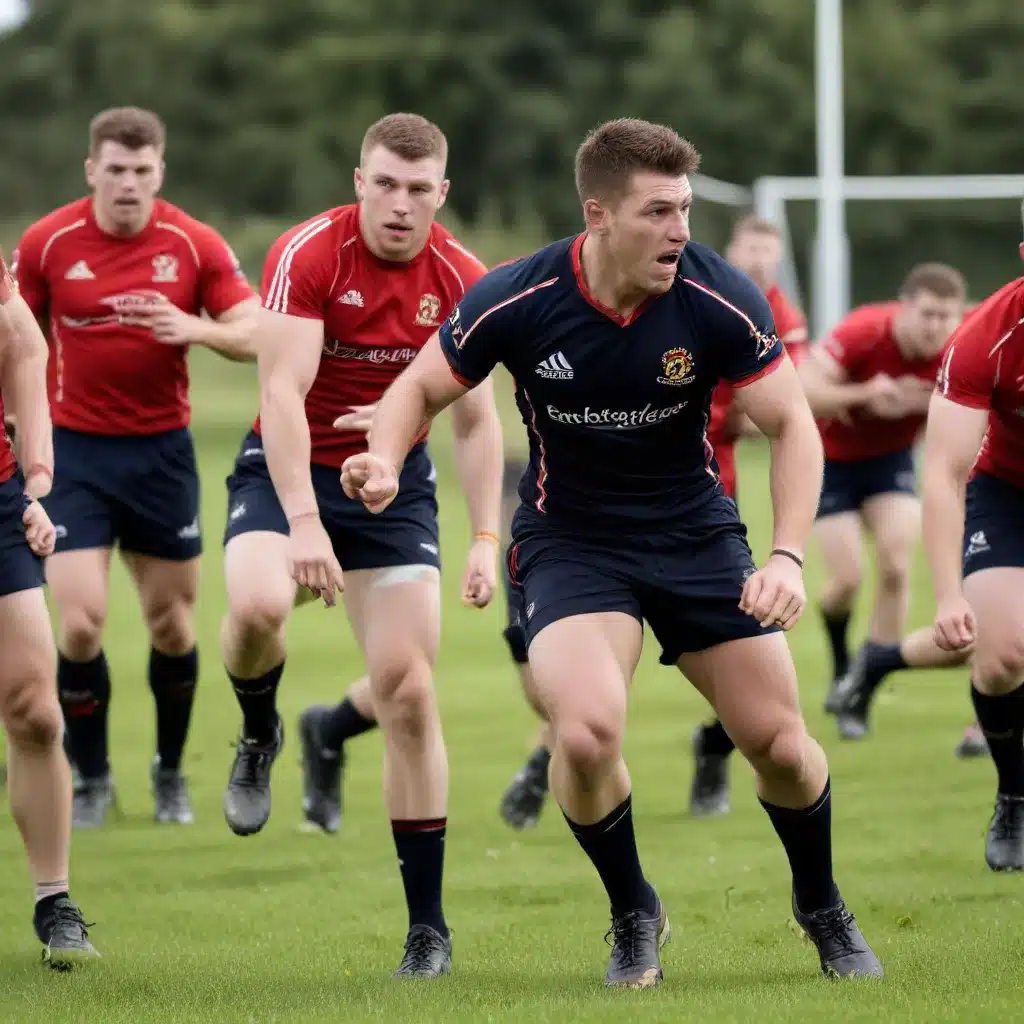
[863,345]
[107,375]
[377,314]
[616,408]
[983,368]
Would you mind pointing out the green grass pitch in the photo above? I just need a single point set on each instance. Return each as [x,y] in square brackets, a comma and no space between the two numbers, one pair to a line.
[197,925]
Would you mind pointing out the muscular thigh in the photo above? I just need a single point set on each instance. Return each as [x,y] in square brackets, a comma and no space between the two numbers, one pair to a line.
[995,597]
[894,521]
[29,656]
[838,538]
[163,584]
[256,573]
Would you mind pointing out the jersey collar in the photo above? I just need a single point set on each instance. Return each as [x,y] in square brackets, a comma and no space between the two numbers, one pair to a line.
[581,284]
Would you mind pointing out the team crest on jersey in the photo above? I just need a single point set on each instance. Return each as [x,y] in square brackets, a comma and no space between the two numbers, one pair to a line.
[165,269]
[455,326]
[765,342]
[677,367]
[426,315]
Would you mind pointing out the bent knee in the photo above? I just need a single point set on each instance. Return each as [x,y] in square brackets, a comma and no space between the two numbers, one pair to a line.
[403,694]
[32,715]
[171,627]
[999,666]
[253,616]
[589,741]
[780,754]
[894,572]
[81,630]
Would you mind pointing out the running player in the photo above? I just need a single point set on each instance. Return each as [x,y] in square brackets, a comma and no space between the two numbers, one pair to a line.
[869,382]
[119,279]
[39,780]
[349,298]
[974,538]
[756,249]
[623,519]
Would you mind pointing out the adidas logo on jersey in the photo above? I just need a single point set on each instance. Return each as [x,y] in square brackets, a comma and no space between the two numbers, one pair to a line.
[351,298]
[79,272]
[555,367]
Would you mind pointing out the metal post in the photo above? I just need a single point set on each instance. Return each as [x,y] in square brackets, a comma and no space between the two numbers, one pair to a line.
[831,278]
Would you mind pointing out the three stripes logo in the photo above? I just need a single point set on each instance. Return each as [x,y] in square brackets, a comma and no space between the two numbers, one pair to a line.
[555,367]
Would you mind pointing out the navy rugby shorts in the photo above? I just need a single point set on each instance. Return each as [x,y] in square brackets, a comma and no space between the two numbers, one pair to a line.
[20,568]
[846,486]
[994,526]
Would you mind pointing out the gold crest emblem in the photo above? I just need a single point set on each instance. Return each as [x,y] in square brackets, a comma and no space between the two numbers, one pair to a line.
[677,367]
[165,269]
[765,343]
[426,315]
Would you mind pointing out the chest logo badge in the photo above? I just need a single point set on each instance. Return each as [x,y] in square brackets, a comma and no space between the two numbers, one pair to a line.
[165,269]
[677,367]
[426,315]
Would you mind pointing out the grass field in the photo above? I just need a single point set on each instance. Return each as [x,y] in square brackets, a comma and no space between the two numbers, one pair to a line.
[197,925]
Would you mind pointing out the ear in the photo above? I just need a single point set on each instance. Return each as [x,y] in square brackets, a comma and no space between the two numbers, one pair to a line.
[595,216]
[90,172]
[358,183]
[442,193]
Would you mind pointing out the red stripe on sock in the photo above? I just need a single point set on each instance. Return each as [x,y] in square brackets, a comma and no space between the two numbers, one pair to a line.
[419,825]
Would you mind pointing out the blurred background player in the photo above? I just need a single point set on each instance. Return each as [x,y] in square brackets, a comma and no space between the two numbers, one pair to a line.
[868,382]
[118,280]
[974,539]
[349,298]
[755,248]
[39,779]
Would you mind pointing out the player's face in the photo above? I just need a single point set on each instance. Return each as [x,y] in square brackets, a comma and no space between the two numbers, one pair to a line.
[930,321]
[124,183]
[398,200]
[758,254]
[646,230]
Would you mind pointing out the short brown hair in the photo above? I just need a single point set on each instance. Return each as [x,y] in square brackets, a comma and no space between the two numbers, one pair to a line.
[131,127]
[756,225]
[613,152]
[406,135]
[937,279]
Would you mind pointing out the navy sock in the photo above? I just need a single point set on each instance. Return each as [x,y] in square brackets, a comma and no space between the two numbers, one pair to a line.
[879,661]
[258,700]
[1002,721]
[344,722]
[806,835]
[84,691]
[715,740]
[420,848]
[611,846]
[172,678]
[836,625]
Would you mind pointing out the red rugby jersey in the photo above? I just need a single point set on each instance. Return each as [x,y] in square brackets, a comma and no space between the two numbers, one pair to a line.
[791,327]
[863,345]
[377,314]
[105,377]
[984,368]
[8,461]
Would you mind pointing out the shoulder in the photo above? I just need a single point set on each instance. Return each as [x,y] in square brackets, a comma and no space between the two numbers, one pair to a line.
[205,242]
[721,291]
[871,322]
[319,235]
[993,323]
[528,276]
[40,236]
[455,260]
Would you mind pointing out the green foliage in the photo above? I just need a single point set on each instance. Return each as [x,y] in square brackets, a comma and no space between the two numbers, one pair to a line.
[266,102]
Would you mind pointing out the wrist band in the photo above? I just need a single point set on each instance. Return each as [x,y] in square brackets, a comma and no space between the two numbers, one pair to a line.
[38,467]
[788,554]
[486,535]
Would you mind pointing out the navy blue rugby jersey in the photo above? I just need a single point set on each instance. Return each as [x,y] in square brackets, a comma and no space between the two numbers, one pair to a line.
[616,408]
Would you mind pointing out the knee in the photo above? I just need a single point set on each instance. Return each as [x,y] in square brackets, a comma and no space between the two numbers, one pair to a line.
[842,586]
[81,630]
[171,628]
[894,570]
[999,666]
[589,742]
[252,617]
[781,754]
[32,716]
[403,695]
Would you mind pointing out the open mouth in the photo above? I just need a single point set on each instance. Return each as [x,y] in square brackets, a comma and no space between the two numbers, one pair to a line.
[669,259]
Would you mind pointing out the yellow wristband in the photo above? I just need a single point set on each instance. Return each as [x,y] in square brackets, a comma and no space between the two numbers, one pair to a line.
[486,535]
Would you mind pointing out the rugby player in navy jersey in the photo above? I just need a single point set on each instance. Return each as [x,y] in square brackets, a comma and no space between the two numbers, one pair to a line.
[616,340]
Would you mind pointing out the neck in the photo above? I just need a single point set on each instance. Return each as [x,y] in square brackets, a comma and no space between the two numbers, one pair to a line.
[111,227]
[604,281]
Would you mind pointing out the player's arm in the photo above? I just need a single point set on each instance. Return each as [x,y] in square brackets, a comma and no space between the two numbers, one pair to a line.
[24,390]
[776,405]
[232,333]
[479,458]
[953,439]
[289,350]
[826,383]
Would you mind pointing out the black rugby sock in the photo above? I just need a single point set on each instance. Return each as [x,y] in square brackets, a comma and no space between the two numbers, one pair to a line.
[420,848]
[172,678]
[611,846]
[806,835]
[84,691]
[836,625]
[1002,721]
[342,723]
[714,740]
[537,765]
[258,700]
[879,661]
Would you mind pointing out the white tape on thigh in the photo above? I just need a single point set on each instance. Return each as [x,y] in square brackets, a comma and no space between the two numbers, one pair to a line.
[396,574]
